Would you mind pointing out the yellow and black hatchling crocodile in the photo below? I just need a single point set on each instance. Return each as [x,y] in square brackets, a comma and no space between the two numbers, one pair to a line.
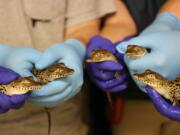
[53,72]
[101,55]
[20,86]
[168,89]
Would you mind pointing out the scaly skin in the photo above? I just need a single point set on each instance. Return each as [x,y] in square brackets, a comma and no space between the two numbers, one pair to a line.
[168,89]
[175,90]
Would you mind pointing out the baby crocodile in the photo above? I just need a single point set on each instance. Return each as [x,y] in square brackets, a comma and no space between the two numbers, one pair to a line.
[20,86]
[25,84]
[101,55]
[168,89]
[135,51]
[57,71]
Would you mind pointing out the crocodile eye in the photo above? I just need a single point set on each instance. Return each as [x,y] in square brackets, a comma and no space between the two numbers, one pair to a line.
[148,71]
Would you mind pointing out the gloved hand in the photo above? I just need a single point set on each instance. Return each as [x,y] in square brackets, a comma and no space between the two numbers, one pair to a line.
[103,73]
[162,38]
[10,102]
[71,53]
[163,106]
[18,59]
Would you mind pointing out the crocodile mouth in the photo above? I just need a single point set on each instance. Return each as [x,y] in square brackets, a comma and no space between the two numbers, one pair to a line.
[138,75]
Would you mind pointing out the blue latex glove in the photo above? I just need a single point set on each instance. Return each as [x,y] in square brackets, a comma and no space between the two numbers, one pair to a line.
[163,106]
[71,53]
[106,80]
[19,59]
[10,102]
[162,37]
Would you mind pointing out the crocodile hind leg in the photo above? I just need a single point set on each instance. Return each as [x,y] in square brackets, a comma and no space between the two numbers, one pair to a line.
[174,100]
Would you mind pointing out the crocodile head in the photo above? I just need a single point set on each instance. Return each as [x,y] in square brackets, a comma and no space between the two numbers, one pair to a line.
[101,55]
[135,51]
[56,71]
[149,77]
[21,86]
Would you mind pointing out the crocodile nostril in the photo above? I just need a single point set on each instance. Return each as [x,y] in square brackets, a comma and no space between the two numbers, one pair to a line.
[148,50]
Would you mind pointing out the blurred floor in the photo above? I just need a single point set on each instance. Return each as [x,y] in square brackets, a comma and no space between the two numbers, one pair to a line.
[141,118]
